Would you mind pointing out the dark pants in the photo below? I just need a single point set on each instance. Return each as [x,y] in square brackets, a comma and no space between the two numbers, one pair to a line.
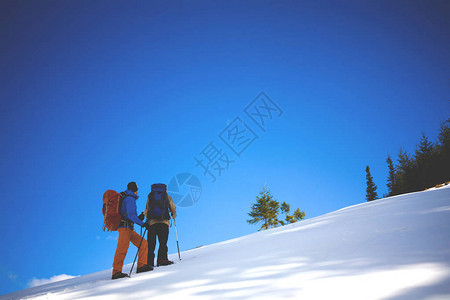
[162,231]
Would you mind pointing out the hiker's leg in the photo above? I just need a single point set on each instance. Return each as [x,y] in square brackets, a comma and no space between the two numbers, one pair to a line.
[151,238]
[121,250]
[163,236]
[136,240]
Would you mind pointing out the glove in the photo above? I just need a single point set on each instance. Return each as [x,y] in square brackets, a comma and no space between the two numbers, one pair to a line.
[147,226]
[141,217]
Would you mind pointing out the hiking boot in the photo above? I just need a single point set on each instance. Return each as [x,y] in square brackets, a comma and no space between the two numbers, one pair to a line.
[144,268]
[164,262]
[119,275]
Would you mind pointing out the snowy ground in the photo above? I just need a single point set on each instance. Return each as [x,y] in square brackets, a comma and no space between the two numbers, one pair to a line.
[394,248]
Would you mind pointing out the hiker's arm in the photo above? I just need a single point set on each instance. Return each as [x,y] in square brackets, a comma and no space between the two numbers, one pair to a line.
[131,212]
[173,208]
[146,209]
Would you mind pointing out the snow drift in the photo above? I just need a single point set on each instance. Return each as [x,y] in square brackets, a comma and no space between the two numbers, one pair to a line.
[393,248]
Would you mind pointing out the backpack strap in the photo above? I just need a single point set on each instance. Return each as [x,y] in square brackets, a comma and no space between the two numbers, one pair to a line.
[123,195]
[150,204]
[125,222]
[167,205]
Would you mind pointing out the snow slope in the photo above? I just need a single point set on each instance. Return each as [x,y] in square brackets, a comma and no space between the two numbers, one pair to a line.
[394,248]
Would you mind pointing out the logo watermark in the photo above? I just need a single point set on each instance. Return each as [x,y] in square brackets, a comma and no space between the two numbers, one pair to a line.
[185,189]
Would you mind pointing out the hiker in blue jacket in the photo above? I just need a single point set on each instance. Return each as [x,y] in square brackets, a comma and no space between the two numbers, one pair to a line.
[127,234]
[128,210]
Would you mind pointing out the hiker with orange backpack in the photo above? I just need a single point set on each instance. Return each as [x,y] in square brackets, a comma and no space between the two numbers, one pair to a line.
[127,234]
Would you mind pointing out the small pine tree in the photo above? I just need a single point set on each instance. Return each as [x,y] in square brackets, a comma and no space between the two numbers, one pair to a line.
[285,208]
[297,216]
[391,178]
[265,210]
[371,190]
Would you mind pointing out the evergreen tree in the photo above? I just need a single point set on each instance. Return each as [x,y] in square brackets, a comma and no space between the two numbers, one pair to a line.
[424,165]
[297,216]
[285,208]
[428,167]
[391,178]
[371,190]
[265,210]
[404,173]
[443,154]
[425,147]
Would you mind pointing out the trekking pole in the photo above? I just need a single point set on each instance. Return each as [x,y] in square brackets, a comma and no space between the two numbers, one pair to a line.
[176,234]
[137,253]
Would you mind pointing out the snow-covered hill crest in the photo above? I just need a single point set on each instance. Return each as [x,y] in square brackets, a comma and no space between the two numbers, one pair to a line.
[393,248]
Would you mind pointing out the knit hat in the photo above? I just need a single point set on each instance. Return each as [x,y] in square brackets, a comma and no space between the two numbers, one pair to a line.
[132,186]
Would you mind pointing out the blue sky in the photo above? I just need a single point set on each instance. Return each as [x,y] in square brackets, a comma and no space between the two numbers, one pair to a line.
[99,93]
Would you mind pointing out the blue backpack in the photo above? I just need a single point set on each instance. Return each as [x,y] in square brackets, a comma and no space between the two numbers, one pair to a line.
[158,203]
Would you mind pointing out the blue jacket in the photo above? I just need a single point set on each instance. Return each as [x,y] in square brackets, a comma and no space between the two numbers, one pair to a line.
[128,209]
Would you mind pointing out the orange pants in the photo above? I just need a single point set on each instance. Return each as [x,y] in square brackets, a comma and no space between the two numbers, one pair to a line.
[126,235]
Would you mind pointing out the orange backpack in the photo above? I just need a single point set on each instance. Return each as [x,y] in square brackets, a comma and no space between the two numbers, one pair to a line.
[112,201]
